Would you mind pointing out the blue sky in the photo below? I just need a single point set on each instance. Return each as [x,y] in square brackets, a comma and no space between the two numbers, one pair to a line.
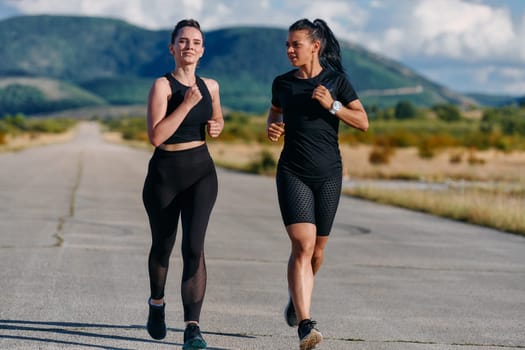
[466,45]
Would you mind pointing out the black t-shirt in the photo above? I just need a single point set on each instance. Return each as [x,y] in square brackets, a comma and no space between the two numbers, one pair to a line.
[311,147]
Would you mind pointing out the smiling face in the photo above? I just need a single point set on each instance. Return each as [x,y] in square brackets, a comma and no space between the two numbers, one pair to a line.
[300,48]
[187,47]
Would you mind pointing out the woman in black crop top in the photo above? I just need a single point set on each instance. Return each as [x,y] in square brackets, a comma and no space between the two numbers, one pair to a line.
[181,180]
[307,105]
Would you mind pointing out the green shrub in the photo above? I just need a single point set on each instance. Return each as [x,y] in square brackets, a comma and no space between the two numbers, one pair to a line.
[50,125]
[405,110]
[473,159]
[447,112]
[380,155]
[264,164]
[455,158]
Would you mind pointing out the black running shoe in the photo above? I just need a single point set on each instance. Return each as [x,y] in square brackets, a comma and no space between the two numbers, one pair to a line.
[192,338]
[309,335]
[156,325]
[289,314]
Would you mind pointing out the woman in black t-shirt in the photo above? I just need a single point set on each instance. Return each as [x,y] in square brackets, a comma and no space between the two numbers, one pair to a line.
[307,104]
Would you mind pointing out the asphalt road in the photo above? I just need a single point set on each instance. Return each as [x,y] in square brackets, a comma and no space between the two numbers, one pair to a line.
[74,241]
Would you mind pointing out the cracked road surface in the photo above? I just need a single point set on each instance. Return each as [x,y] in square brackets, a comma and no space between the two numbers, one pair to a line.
[74,241]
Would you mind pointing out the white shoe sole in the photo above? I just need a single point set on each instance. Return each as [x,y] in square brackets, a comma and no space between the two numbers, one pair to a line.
[311,340]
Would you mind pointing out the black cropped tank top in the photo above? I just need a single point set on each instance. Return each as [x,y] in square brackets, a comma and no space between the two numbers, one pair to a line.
[193,127]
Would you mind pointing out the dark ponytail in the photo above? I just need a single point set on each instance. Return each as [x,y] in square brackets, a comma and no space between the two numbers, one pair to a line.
[330,55]
[330,52]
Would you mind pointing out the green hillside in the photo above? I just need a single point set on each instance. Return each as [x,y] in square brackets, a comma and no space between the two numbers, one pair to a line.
[75,48]
[116,62]
[122,90]
[29,95]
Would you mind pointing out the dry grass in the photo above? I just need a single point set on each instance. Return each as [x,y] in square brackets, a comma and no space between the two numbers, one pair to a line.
[116,137]
[239,154]
[500,204]
[496,209]
[404,163]
[27,140]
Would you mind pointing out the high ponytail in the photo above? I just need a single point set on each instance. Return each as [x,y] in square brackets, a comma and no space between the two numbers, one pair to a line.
[330,52]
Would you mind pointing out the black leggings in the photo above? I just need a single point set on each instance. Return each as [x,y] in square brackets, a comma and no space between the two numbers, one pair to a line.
[313,202]
[180,183]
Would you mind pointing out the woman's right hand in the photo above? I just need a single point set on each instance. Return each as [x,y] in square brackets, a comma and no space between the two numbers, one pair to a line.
[192,96]
[275,131]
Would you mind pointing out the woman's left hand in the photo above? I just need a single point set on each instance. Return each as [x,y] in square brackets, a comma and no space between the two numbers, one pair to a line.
[323,95]
[214,128]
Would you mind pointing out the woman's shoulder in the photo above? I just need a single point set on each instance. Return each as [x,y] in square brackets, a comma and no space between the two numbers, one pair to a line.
[211,84]
[287,75]
[337,78]
[208,81]
[334,74]
[161,82]
[290,75]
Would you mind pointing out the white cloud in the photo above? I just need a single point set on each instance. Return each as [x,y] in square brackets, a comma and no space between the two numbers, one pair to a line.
[512,78]
[153,14]
[338,14]
[457,29]
[521,34]
[496,79]
[451,29]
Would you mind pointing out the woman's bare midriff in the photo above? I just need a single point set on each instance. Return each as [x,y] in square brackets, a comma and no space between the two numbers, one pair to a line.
[180,146]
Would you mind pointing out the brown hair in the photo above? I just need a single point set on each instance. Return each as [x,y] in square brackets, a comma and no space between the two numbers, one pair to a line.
[185,23]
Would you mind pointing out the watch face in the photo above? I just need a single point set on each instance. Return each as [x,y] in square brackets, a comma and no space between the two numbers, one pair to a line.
[337,105]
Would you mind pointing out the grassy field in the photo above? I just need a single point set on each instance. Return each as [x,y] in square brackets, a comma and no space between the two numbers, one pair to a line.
[498,208]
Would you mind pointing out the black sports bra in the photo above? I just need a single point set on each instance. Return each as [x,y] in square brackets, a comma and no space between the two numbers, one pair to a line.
[193,127]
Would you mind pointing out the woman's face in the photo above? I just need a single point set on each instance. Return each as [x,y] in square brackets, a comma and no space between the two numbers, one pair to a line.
[188,46]
[300,48]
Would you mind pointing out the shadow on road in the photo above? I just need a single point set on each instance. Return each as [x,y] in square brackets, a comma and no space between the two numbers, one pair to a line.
[78,329]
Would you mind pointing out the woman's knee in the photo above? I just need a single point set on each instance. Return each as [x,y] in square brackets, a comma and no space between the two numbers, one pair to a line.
[303,239]
[318,254]
[303,249]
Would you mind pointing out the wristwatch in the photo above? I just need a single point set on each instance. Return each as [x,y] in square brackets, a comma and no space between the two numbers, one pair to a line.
[336,106]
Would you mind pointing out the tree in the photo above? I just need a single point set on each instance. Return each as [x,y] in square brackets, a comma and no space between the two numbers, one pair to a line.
[405,110]
[447,112]
[16,98]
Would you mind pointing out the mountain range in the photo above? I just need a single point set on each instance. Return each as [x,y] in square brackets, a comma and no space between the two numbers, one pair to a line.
[56,62]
